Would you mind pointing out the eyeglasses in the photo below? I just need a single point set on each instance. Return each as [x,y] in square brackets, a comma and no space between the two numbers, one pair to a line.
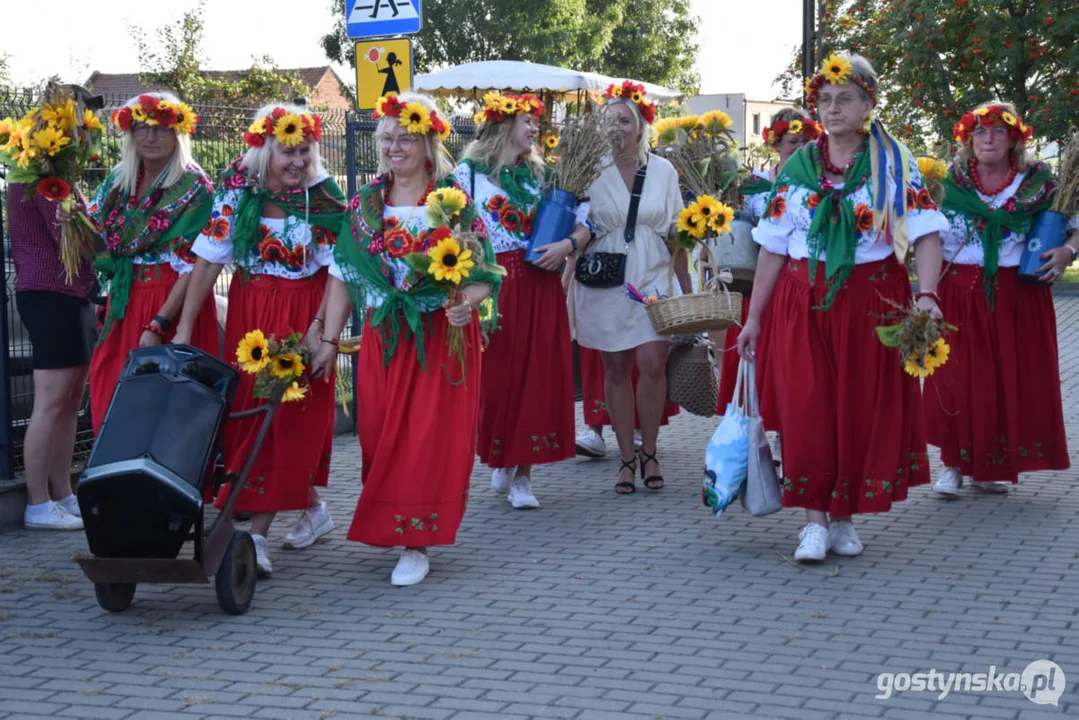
[997,132]
[405,142]
[141,130]
[843,100]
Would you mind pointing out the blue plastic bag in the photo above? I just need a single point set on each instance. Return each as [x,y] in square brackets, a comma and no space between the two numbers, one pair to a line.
[726,460]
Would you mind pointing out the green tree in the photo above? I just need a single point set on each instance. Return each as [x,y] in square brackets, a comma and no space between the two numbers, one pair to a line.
[939,58]
[644,39]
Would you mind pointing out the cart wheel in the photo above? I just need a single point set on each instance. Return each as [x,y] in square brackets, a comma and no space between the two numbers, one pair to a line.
[114,597]
[235,580]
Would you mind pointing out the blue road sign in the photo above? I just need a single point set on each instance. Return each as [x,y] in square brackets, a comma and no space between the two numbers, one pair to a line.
[381,18]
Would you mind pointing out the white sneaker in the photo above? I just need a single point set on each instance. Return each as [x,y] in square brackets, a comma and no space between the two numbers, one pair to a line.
[993,487]
[70,505]
[949,482]
[591,444]
[520,494]
[49,516]
[813,543]
[637,441]
[845,542]
[262,556]
[312,524]
[411,568]
[500,480]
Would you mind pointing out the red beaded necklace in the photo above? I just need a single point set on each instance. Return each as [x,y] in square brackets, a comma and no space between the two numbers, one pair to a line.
[978,181]
[827,161]
[423,198]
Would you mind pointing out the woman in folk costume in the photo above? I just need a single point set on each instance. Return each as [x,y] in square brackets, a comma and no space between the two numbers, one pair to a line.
[421,394]
[833,240]
[790,130]
[526,402]
[995,409]
[149,211]
[607,320]
[276,217]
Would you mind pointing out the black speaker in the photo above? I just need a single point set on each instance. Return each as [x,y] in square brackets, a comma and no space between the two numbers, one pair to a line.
[142,488]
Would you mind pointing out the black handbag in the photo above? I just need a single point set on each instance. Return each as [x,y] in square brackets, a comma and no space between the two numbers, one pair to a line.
[608,270]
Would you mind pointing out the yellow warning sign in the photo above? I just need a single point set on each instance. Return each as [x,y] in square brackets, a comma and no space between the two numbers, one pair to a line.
[382,66]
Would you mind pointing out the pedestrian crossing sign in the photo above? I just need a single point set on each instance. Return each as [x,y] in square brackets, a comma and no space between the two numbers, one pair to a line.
[382,66]
[382,18]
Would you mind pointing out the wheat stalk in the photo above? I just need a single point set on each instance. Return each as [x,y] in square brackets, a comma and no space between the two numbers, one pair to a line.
[1066,200]
[583,144]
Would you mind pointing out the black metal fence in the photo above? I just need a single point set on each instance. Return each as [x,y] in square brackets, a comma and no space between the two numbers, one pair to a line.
[349,153]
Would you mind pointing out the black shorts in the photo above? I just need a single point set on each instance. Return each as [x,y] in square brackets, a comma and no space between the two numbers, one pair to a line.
[61,328]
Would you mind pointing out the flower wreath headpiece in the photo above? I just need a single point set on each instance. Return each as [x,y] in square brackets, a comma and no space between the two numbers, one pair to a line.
[986,116]
[287,128]
[836,70]
[157,111]
[774,133]
[413,116]
[498,107]
[635,93]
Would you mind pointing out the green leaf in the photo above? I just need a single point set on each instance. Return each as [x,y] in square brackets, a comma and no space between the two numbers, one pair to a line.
[702,166]
[889,335]
[726,179]
[419,262]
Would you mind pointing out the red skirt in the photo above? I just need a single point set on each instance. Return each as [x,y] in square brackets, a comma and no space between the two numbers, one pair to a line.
[728,370]
[526,400]
[418,438]
[994,408]
[592,379]
[150,287]
[295,453]
[850,417]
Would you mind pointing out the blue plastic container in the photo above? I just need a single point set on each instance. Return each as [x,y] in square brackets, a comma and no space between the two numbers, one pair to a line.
[1048,233]
[554,221]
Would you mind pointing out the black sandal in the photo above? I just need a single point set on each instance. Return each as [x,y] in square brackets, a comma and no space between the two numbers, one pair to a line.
[626,487]
[652,482]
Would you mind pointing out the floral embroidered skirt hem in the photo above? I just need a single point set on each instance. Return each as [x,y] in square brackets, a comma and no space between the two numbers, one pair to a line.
[850,417]
[728,367]
[592,380]
[417,437]
[149,289]
[295,455]
[994,409]
[526,401]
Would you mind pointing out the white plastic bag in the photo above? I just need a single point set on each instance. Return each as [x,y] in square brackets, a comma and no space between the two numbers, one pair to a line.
[726,460]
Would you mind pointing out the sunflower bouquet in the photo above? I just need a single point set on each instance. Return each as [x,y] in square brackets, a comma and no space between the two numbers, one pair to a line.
[933,172]
[919,338]
[278,365]
[48,149]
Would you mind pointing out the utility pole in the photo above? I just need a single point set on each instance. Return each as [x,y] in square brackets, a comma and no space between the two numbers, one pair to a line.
[809,40]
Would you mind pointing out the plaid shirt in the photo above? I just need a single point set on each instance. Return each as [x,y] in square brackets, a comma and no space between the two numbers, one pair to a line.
[35,247]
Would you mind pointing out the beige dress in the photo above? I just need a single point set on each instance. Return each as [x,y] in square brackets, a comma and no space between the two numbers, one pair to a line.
[607,319]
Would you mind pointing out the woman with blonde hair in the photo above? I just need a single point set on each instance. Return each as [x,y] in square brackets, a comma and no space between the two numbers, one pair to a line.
[275,219]
[645,187]
[149,211]
[526,402]
[418,418]
[995,408]
[834,242]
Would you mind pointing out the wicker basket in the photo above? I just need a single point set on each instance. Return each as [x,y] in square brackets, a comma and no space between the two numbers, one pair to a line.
[692,380]
[699,312]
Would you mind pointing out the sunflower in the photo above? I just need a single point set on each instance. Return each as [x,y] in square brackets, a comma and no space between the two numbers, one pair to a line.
[981,111]
[24,156]
[615,91]
[551,141]
[716,119]
[91,121]
[186,119]
[1008,118]
[837,69]
[253,352]
[937,354]
[7,126]
[288,130]
[795,127]
[286,365]
[294,392]
[720,222]
[446,202]
[914,367]
[689,226]
[704,209]
[59,116]
[508,106]
[932,168]
[138,114]
[415,118]
[449,262]
[492,100]
[637,96]
[51,140]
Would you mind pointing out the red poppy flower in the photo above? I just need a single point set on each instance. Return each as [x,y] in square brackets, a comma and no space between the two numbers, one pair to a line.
[226,210]
[777,209]
[297,257]
[863,218]
[813,201]
[912,199]
[390,223]
[184,253]
[925,200]
[278,113]
[322,237]
[273,250]
[510,218]
[53,188]
[430,239]
[526,224]
[167,117]
[254,140]
[398,242]
[495,203]
[220,229]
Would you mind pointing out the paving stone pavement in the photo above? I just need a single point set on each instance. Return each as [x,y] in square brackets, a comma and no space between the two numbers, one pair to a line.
[594,606]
